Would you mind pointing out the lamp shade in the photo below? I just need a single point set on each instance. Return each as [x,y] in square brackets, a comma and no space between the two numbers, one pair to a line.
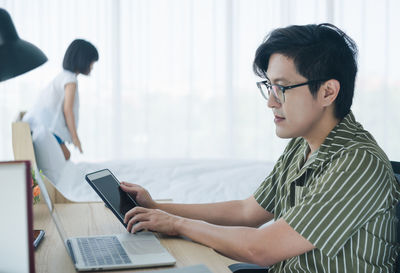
[16,55]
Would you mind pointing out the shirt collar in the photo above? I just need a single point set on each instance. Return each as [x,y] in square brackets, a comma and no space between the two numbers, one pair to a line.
[334,142]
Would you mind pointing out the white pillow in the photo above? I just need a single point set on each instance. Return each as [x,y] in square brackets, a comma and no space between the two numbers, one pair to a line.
[49,156]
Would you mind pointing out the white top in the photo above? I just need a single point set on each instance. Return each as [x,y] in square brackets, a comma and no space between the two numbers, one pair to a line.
[48,109]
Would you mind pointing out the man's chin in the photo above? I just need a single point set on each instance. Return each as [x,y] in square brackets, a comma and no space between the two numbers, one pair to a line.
[283,134]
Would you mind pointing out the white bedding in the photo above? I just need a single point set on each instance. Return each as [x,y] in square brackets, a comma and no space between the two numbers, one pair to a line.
[184,181]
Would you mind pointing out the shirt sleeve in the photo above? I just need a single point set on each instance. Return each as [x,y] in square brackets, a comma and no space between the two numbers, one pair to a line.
[68,78]
[353,190]
[266,193]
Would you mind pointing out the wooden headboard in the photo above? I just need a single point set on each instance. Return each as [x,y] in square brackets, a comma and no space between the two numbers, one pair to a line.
[23,150]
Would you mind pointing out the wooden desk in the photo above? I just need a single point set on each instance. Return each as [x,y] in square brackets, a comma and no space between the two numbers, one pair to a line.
[83,219]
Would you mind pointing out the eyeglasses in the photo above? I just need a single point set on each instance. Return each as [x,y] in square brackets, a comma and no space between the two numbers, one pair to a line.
[277,90]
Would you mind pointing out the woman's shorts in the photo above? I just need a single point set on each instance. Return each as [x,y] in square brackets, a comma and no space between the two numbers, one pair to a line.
[59,140]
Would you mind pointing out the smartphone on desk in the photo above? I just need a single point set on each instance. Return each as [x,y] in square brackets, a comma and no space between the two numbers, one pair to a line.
[38,235]
[108,188]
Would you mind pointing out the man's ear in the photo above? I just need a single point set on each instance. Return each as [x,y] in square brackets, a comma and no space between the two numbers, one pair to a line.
[329,91]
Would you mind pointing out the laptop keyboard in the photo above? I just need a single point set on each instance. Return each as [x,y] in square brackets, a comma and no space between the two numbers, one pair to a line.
[100,251]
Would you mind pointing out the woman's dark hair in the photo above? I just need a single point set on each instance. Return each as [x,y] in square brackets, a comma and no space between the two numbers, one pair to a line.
[79,55]
[319,52]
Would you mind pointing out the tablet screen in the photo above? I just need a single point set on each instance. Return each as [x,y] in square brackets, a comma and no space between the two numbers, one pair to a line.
[107,186]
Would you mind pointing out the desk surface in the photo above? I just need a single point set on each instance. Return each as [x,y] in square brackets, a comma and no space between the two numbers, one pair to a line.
[83,219]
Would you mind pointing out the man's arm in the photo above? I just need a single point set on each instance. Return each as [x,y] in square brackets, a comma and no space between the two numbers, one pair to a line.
[263,246]
[245,212]
[232,213]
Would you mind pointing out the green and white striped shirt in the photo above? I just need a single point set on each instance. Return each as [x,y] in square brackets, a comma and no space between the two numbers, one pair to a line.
[342,200]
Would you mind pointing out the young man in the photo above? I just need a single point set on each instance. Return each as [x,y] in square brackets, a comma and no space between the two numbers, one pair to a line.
[332,193]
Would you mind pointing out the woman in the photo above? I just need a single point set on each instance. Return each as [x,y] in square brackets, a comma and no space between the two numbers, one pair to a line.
[58,106]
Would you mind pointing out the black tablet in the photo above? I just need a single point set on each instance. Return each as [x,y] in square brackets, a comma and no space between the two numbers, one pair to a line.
[107,187]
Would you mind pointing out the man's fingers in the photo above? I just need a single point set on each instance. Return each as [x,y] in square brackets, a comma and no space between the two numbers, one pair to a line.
[128,184]
[139,226]
[141,216]
[129,188]
[133,222]
[133,212]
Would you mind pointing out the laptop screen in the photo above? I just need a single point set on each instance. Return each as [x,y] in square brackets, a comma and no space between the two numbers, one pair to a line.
[16,236]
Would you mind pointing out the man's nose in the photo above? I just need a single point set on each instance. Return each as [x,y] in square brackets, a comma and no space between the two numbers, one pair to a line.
[273,102]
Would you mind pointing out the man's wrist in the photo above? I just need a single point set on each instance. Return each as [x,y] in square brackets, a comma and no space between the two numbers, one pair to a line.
[157,205]
[179,224]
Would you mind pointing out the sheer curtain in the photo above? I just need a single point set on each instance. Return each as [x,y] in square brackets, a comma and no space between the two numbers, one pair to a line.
[175,80]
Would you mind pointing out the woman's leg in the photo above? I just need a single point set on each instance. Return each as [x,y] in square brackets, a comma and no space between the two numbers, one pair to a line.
[65,150]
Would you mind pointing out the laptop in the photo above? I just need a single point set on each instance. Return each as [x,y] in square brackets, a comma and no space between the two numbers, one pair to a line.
[114,251]
[16,236]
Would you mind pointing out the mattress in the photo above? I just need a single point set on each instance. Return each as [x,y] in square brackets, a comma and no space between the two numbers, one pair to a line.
[182,180]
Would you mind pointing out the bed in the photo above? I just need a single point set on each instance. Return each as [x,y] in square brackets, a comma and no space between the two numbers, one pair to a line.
[182,180]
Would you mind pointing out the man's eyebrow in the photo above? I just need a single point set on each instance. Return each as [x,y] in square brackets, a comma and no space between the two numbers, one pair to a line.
[281,80]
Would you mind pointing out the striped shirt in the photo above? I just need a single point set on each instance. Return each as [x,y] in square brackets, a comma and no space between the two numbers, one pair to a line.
[342,200]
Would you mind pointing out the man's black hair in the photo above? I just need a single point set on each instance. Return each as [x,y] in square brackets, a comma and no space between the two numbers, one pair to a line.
[79,55]
[319,52]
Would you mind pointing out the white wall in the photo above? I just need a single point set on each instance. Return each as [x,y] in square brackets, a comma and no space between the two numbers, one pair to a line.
[175,77]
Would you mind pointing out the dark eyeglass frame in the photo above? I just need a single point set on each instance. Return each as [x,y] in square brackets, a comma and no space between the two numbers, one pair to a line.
[267,83]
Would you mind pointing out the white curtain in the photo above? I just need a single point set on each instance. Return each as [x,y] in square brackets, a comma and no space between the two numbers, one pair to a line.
[175,80]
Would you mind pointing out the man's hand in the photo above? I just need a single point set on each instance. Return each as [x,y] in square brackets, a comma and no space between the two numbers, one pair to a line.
[151,219]
[141,195]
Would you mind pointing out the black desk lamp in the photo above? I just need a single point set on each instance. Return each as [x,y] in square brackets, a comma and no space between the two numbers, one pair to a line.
[16,55]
